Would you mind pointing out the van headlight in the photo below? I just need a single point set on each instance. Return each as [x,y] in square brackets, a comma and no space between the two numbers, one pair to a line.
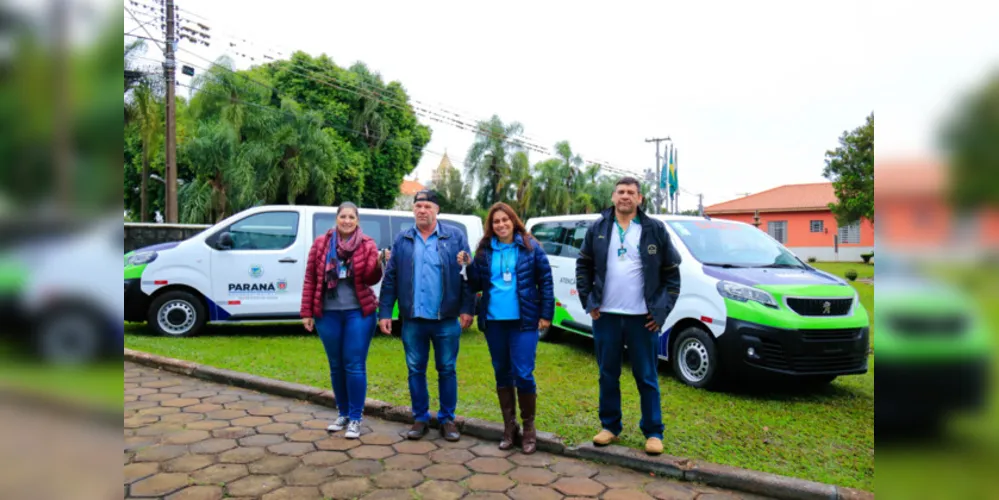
[743,293]
[140,258]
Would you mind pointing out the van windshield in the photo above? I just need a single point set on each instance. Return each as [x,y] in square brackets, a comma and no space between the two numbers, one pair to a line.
[729,244]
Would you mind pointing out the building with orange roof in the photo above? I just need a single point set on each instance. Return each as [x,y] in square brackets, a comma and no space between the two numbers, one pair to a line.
[798,216]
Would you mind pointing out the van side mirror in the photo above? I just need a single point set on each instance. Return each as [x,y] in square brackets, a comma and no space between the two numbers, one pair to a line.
[225,241]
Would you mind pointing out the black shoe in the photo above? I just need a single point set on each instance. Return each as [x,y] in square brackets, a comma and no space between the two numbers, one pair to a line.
[449,432]
[418,430]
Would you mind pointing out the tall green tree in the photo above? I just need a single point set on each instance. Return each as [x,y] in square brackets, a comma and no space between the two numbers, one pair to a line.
[850,167]
[455,195]
[488,159]
[146,110]
[971,139]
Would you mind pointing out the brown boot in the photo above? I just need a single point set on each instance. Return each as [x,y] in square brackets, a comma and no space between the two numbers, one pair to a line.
[508,404]
[527,407]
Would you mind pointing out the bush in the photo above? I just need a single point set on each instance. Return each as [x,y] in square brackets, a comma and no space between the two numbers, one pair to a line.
[867,257]
[812,259]
[851,274]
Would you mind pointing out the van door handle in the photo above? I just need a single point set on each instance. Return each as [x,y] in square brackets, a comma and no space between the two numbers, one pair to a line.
[288,260]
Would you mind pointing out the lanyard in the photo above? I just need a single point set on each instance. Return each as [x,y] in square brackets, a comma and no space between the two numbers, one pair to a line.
[507,264]
[621,232]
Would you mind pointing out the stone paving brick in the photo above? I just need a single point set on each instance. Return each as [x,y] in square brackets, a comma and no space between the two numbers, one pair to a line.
[526,492]
[273,464]
[159,485]
[212,446]
[533,475]
[578,486]
[295,493]
[346,488]
[370,451]
[489,482]
[291,449]
[188,463]
[307,475]
[193,440]
[407,462]
[575,468]
[220,473]
[233,432]
[242,455]
[198,493]
[415,447]
[451,456]
[261,440]
[252,486]
[442,490]
[397,479]
[451,472]
[361,468]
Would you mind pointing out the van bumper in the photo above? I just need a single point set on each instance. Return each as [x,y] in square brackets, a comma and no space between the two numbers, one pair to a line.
[136,301]
[907,390]
[751,347]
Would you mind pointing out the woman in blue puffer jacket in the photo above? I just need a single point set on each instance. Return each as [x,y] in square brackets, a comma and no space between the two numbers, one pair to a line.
[518,298]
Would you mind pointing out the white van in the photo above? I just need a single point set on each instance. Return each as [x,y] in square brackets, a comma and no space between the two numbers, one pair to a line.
[249,267]
[746,303]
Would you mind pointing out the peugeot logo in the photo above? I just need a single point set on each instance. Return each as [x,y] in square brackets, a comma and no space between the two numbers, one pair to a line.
[826,307]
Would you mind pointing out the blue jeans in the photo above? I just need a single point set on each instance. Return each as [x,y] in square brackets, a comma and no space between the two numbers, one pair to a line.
[417,335]
[513,352]
[346,335]
[610,333]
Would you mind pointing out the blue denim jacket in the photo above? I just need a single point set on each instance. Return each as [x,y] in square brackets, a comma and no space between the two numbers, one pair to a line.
[399,282]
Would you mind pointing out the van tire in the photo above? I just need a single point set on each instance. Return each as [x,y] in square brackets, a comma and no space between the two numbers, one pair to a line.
[70,334]
[184,314]
[695,359]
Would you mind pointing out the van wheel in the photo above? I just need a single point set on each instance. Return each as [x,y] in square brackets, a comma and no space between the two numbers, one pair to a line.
[177,314]
[695,360]
[70,335]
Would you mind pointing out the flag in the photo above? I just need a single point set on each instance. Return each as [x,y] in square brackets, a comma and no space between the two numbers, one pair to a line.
[664,175]
[673,185]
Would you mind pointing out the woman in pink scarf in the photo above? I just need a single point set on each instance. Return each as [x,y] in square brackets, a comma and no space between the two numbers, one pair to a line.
[338,303]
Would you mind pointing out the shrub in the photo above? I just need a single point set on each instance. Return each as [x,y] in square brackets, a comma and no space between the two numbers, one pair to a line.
[867,257]
[812,259]
[851,274]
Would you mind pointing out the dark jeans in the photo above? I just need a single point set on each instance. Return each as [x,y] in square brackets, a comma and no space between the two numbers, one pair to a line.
[513,352]
[346,335]
[610,333]
[417,335]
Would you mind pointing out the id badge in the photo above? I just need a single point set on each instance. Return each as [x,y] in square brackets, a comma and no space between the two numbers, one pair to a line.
[620,253]
[508,276]
[343,273]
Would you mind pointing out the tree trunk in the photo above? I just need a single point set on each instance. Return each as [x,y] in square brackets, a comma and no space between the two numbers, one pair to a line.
[144,187]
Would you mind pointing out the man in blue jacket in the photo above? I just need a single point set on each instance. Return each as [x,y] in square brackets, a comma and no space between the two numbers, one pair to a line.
[628,279]
[435,304]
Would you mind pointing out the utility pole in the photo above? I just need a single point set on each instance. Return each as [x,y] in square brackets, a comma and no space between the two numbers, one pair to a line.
[700,204]
[169,70]
[659,192]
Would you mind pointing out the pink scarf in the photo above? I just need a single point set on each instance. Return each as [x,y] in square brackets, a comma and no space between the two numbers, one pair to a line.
[344,251]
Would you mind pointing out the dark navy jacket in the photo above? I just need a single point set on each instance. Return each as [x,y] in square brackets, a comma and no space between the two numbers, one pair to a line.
[535,287]
[660,265]
[397,284]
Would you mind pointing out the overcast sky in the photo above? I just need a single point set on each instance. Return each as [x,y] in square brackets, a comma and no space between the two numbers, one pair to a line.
[752,93]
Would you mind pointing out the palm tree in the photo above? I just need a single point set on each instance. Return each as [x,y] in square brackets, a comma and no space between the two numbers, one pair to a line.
[521,194]
[488,159]
[553,197]
[146,108]
[571,163]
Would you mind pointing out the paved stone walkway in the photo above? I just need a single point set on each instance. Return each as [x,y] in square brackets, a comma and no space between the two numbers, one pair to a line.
[187,439]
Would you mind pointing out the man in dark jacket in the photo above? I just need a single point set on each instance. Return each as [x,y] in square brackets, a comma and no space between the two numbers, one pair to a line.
[435,304]
[628,279]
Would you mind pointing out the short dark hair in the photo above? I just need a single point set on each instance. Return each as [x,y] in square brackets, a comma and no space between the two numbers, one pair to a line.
[631,181]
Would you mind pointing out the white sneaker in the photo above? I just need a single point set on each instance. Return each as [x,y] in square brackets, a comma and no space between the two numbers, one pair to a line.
[337,426]
[353,430]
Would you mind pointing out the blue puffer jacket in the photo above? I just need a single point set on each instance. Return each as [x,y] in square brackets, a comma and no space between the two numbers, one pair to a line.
[535,288]
[397,283]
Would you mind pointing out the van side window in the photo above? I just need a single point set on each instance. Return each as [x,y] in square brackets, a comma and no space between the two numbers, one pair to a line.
[551,235]
[265,231]
[460,227]
[575,232]
[400,223]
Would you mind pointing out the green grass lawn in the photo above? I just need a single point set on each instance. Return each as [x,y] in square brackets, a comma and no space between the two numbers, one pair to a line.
[97,386]
[824,435]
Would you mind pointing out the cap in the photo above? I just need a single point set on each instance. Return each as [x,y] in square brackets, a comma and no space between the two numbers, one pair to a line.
[426,195]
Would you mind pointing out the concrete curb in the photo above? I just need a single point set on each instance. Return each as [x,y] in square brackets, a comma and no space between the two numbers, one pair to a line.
[721,476]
